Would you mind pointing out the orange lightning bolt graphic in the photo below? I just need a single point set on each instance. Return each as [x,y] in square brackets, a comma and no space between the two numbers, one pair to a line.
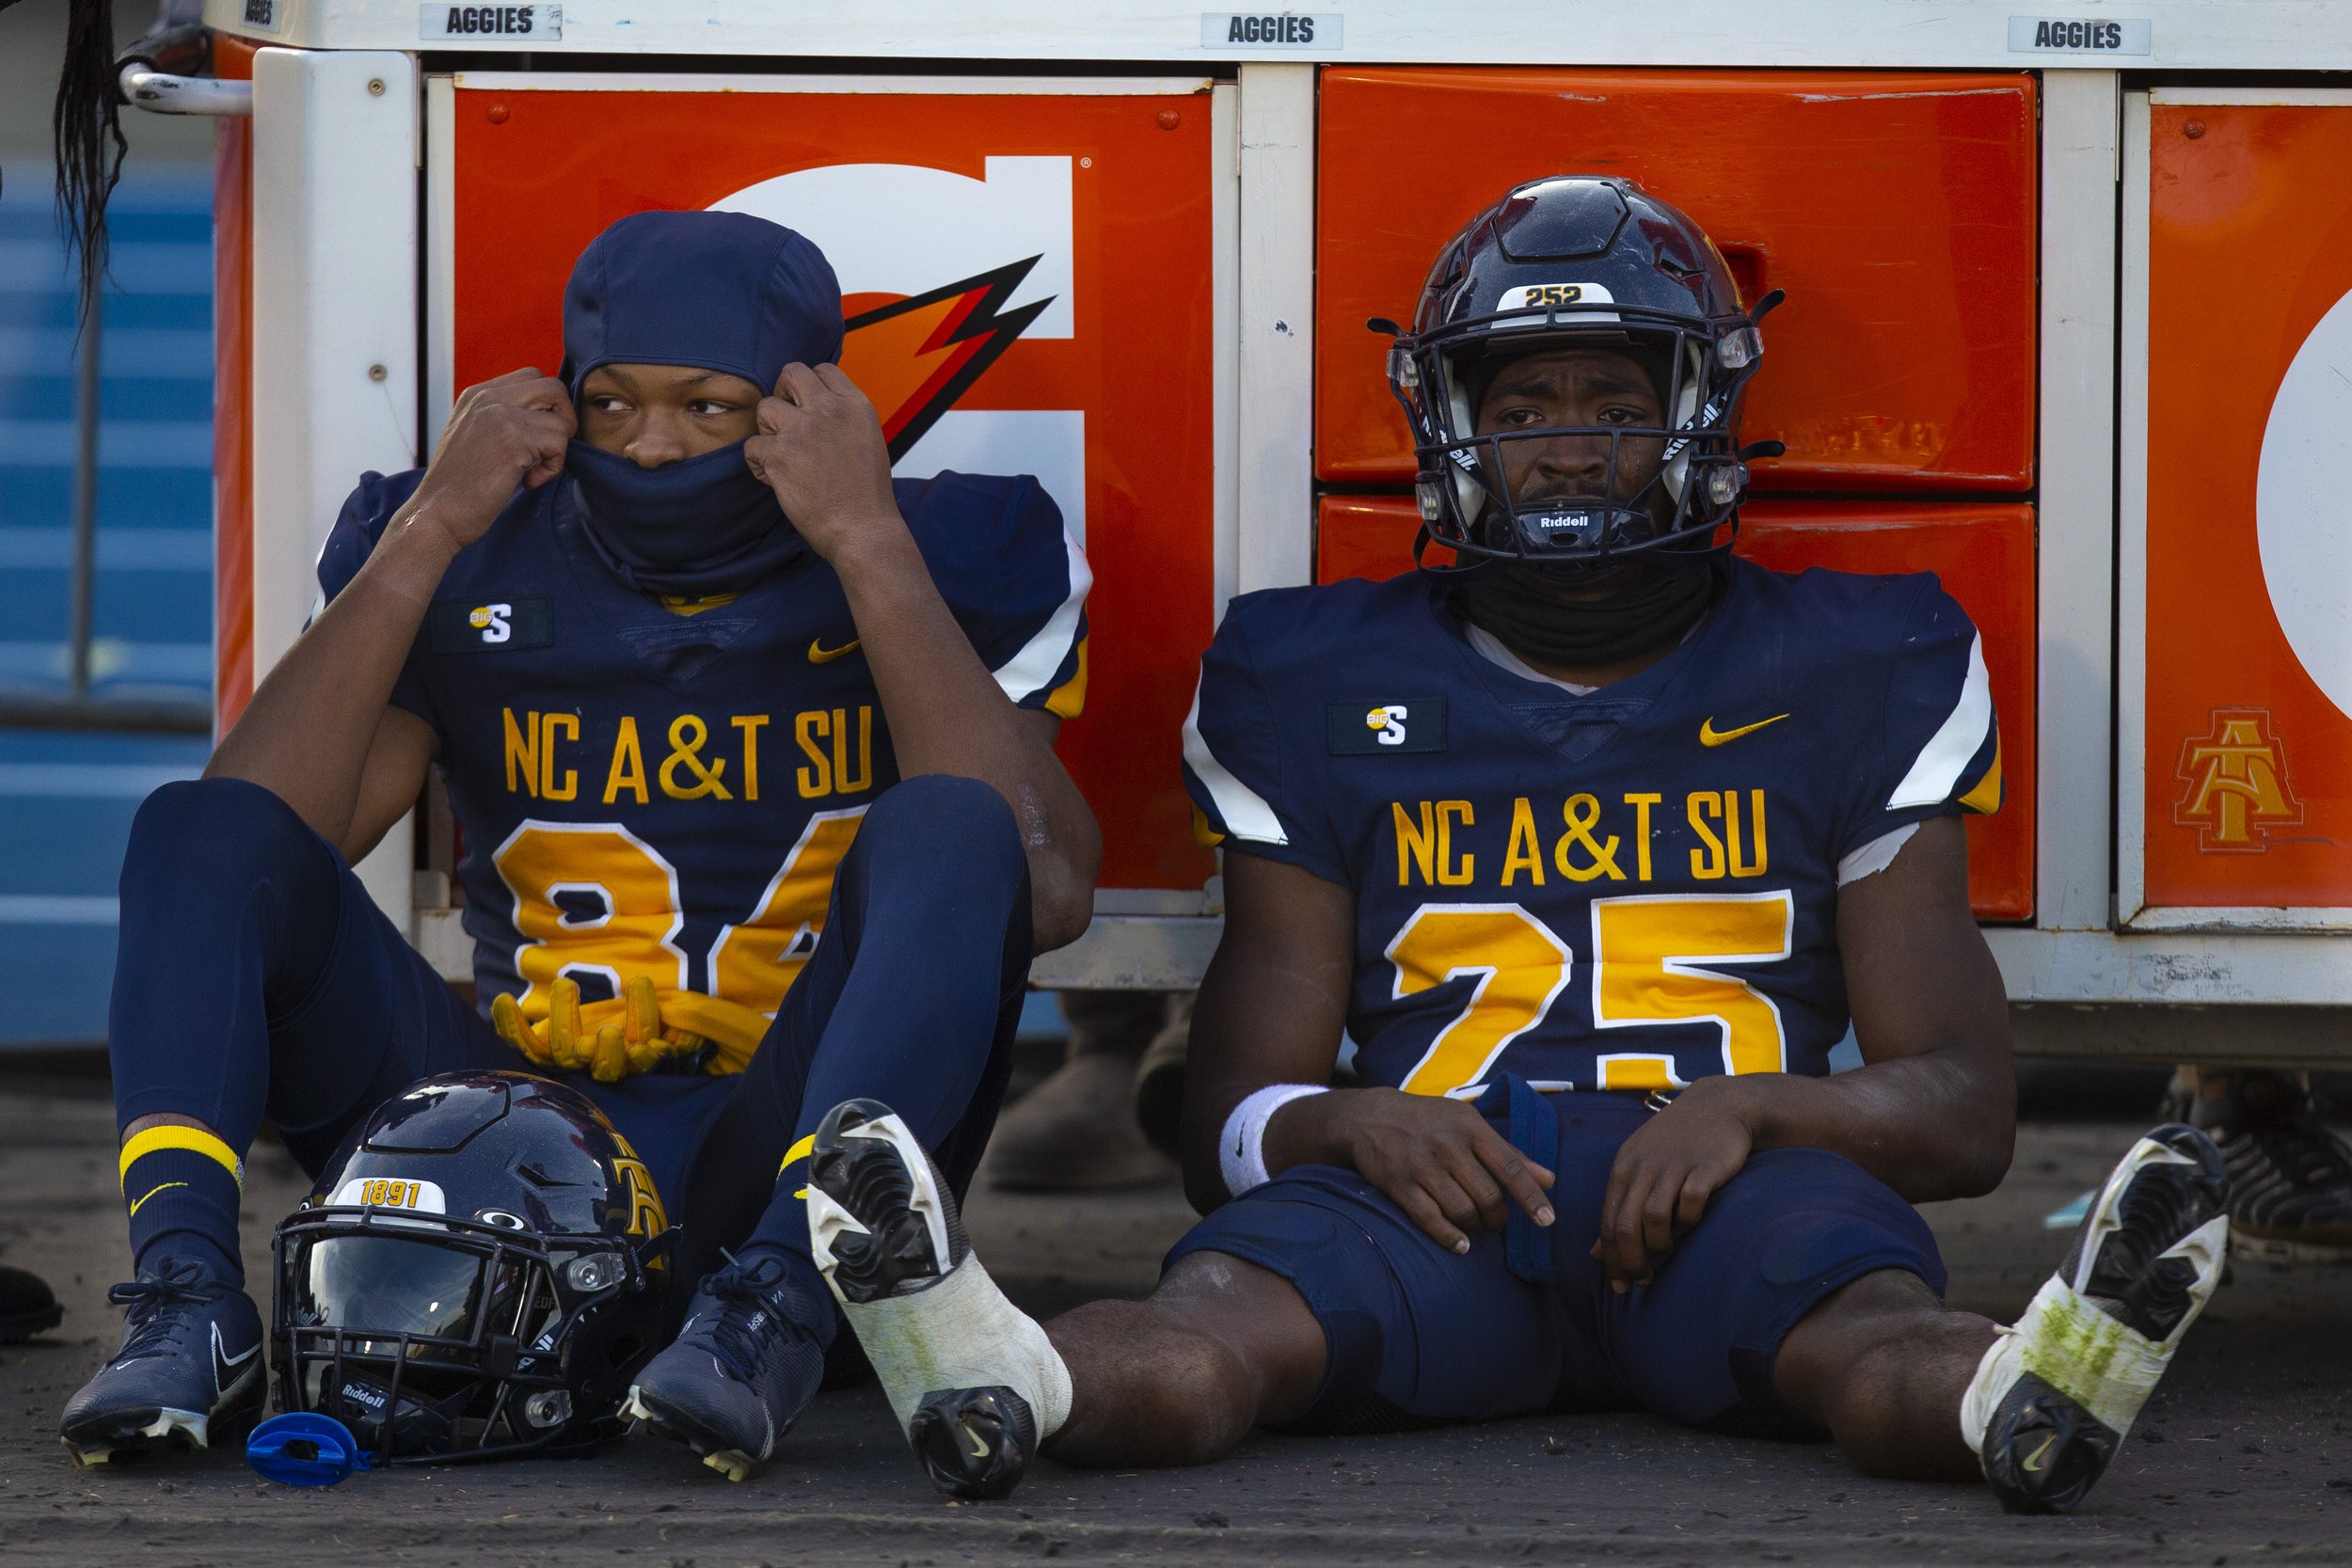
[916,356]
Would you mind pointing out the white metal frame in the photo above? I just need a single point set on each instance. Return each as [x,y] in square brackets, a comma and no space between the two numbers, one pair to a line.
[334,314]
[2133,912]
[2074,511]
[1951,34]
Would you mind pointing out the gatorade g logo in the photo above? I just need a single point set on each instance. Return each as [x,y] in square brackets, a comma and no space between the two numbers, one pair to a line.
[939,275]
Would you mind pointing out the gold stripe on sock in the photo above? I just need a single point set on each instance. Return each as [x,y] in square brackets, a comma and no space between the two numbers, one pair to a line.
[195,1139]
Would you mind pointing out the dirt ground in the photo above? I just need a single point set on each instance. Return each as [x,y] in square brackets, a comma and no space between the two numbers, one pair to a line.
[2243,1457]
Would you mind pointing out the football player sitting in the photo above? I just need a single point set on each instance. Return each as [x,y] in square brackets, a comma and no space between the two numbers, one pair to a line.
[1595,842]
[752,751]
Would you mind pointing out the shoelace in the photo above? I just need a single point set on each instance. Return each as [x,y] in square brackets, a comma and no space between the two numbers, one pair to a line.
[154,1329]
[744,1290]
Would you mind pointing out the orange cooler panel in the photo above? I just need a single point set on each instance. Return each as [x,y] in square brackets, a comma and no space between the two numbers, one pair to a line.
[1896,210]
[1114,192]
[2248,776]
[1983,553]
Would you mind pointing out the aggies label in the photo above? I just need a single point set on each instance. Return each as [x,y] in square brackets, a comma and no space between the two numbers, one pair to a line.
[1270,29]
[534,24]
[2054,35]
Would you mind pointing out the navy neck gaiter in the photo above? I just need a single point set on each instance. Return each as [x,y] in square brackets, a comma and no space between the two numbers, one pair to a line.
[715,291]
[698,527]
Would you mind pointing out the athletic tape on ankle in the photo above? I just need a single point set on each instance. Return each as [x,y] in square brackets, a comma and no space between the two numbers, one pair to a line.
[154,1140]
[1240,1147]
[961,1332]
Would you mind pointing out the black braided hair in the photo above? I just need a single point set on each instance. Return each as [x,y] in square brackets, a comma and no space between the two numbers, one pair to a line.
[90,146]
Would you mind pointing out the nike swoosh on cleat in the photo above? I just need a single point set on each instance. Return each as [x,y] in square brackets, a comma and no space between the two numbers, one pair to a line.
[2034,1459]
[818,655]
[1710,736]
[980,1449]
[225,1365]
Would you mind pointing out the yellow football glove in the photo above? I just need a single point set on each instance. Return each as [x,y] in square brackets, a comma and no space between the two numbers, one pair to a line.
[610,1039]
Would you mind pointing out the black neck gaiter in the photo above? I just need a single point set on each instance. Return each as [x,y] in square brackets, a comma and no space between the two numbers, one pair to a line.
[1652,611]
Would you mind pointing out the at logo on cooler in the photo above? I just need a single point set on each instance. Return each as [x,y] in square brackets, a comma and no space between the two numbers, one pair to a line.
[2238,785]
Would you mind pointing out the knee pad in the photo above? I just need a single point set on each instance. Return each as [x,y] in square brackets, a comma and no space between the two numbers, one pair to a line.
[208,826]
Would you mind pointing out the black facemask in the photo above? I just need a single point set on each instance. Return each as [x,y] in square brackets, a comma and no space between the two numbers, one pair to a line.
[1652,609]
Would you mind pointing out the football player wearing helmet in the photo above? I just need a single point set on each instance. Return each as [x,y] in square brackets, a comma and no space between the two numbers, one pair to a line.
[705,686]
[1596,841]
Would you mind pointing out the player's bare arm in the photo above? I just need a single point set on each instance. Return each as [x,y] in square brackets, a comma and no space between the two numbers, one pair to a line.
[321,733]
[820,448]
[1270,1011]
[1932,1112]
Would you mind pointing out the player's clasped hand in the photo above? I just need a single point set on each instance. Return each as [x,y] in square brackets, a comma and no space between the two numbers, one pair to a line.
[820,448]
[637,1043]
[1437,1159]
[508,431]
[1665,1176]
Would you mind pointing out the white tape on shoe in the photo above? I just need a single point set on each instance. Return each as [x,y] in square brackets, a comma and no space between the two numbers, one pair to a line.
[2104,1366]
[961,1332]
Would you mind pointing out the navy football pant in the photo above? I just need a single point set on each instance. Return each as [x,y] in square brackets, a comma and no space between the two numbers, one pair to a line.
[256,976]
[1526,1321]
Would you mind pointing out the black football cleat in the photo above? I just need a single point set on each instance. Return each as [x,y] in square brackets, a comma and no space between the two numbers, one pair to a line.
[2289,1172]
[739,1375]
[189,1375]
[2090,1349]
[888,1239]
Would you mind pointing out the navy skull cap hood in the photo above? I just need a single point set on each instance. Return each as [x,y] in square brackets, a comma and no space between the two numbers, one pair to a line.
[718,291]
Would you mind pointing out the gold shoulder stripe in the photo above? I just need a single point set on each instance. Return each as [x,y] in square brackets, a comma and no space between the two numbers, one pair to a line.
[1985,796]
[1065,700]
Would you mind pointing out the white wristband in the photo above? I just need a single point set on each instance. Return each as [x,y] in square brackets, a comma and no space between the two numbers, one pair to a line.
[1241,1149]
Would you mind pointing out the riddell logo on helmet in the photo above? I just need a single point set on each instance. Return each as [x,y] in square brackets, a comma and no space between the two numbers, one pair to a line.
[941,274]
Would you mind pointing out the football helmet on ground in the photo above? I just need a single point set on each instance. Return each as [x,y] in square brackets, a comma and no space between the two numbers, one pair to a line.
[480,1272]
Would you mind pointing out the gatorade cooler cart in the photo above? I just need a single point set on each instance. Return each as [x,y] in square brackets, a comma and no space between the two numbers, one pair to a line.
[2069,323]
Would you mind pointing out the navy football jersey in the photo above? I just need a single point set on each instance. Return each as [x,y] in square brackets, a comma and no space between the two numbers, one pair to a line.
[1627,889]
[641,791]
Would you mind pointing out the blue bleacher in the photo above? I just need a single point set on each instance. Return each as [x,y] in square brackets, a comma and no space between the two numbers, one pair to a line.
[66,798]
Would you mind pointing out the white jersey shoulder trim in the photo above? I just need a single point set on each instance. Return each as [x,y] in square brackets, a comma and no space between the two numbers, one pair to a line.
[1247,814]
[1935,772]
[1032,670]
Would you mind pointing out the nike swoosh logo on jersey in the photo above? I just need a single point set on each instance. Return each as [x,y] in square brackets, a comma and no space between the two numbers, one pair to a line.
[1710,736]
[817,653]
[150,1193]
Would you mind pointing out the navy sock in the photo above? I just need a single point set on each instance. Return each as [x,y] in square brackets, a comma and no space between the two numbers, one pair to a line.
[181,1186]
